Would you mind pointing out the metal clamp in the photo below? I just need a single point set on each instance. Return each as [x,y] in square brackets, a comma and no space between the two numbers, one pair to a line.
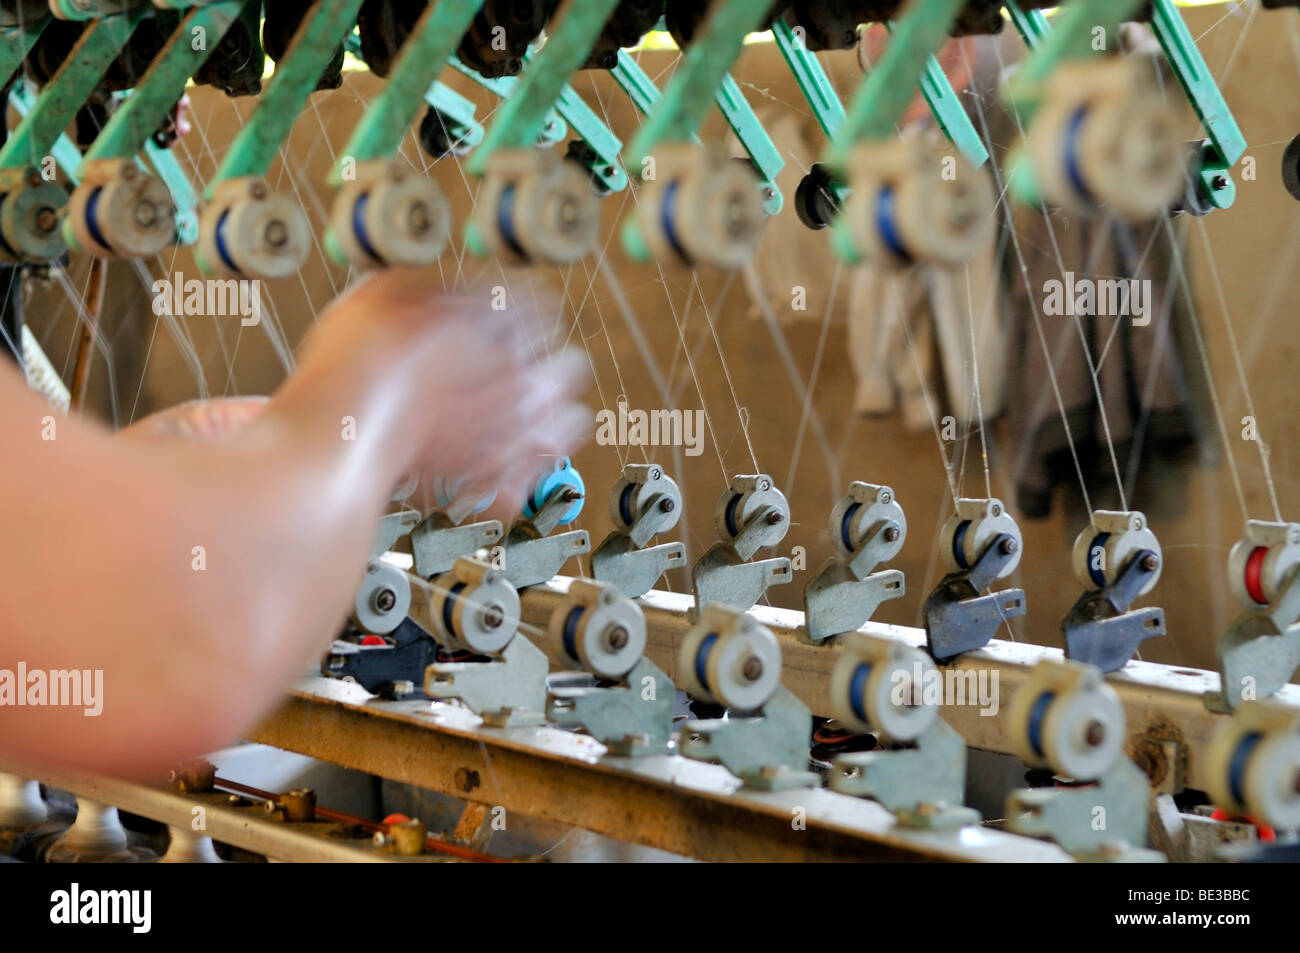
[1117,559]
[730,659]
[1067,718]
[752,514]
[1255,764]
[531,554]
[880,685]
[981,544]
[645,503]
[599,630]
[868,528]
[1261,649]
[474,609]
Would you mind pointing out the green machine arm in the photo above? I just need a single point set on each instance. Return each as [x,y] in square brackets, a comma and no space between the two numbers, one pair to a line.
[68,89]
[698,79]
[411,83]
[643,93]
[15,43]
[880,102]
[259,141]
[140,115]
[1032,25]
[117,211]
[522,117]
[554,129]
[1226,143]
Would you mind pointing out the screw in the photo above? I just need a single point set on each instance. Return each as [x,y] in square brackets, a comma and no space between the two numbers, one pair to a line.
[47,220]
[774,518]
[1150,562]
[1219,182]
[145,214]
[618,638]
[277,233]
[418,218]
[891,534]
[667,506]
[1009,546]
[258,190]
[1094,734]
[493,616]
[752,669]
[385,599]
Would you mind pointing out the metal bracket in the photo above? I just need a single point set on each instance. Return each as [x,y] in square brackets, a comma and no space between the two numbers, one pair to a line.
[392,527]
[507,692]
[1260,651]
[554,128]
[723,576]
[844,595]
[437,542]
[532,556]
[923,785]
[634,570]
[1106,821]
[960,615]
[635,718]
[767,750]
[1100,631]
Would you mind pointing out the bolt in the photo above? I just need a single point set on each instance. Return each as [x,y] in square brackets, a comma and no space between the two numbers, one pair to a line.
[47,219]
[33,179]
[145,214]
[1094,734]
[774,518]
[618,638]
[568,212]
[752,669]
[571,495]
[385,599]
[418,218]
[1009,546]
[1150,562]
[277,233]
[667,506]
[258,190]
[1219,182]
[891,534]
[493,616]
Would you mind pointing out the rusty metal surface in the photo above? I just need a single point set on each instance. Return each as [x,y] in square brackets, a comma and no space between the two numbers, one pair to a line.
[1169,725]
[666,802]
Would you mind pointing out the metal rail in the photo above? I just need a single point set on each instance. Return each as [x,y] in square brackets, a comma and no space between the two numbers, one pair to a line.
[668,802]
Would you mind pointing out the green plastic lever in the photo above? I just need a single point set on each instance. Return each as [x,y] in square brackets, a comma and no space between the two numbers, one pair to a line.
[699,77]
[1031,25]
[1203,93]
[882,99]
[522,117]
[15,43]
[139,116]
[554,128]
[68,90]
[812,79]
[259,141]
[426,51]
